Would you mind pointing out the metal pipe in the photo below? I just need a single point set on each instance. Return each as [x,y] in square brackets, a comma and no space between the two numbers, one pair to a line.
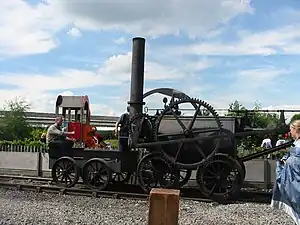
[137,76]
[266,152]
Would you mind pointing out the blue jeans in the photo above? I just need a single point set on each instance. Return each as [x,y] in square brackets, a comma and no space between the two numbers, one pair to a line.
[123,144]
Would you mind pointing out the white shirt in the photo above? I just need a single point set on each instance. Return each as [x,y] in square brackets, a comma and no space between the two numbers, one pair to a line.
[266,143]
[280,142]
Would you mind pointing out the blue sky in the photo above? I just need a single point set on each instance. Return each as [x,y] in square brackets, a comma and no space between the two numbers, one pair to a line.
[218,51]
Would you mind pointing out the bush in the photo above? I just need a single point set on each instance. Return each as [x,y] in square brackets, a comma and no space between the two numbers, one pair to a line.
[113,142]
[26,142]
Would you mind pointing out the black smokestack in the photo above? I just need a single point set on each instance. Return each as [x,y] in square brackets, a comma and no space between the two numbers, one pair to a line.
[137,75]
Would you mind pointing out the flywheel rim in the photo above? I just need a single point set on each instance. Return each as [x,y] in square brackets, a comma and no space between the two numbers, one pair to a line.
[192,101]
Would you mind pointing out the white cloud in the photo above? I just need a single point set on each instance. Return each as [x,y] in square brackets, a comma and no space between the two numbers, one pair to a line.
[257,78]
[45,102]
[27,29]
[38,24]
[115,72]
[117,67]
[248,86]
[74,32]
[102,109]
[120,41]
[284,40]
[152,18]
[287,115]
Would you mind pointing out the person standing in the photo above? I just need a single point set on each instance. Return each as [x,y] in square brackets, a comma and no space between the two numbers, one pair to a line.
[266,144]
[286,191]
[123,135]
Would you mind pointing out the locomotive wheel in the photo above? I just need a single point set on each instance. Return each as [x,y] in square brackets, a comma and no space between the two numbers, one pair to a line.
[120,178]
[96,174]
[221,178]
[154,171]
[196,152]
[185,175]
[65,172]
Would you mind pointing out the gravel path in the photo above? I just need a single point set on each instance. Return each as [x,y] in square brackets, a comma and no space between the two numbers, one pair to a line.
[18,208]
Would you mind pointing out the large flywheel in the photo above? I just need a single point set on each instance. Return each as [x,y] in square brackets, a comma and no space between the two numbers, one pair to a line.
[201,120]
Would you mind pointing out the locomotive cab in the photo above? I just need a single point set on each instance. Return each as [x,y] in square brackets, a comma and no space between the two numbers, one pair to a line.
[76,111]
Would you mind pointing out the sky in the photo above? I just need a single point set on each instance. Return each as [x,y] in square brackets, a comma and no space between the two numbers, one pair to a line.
[218,51]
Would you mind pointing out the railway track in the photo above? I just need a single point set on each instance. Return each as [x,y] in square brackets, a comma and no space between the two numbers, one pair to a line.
[42,184]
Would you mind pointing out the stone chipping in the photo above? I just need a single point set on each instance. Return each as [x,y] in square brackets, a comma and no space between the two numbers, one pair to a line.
[30,208]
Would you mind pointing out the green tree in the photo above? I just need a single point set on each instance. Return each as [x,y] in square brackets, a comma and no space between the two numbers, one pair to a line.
[36,133]
[13,124]
[236,109]
[255,119]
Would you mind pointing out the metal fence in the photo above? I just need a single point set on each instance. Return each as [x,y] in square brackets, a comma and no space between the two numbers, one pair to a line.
[46,119]
[22,148]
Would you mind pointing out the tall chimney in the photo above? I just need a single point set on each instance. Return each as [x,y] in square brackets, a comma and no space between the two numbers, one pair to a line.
[137,75]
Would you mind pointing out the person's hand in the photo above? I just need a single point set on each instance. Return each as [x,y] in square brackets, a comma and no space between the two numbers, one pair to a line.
[116,132]
[73,132]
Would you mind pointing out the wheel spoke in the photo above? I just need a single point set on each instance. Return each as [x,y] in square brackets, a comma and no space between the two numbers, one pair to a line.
[191,124]
[178,120]
[213,188]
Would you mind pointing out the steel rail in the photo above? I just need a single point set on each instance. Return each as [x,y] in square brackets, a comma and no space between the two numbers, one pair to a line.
[192,194]
[246,185]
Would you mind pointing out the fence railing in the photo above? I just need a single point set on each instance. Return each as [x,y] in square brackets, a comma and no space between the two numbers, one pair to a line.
[22,148]
[36,118]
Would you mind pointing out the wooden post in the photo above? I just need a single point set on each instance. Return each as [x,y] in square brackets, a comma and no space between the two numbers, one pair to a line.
[164,207]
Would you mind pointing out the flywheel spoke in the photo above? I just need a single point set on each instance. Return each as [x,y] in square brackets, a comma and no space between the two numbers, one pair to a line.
[191,124]
[178,120]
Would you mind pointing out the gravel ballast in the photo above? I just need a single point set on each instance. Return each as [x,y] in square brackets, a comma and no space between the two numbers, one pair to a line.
[18,208]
